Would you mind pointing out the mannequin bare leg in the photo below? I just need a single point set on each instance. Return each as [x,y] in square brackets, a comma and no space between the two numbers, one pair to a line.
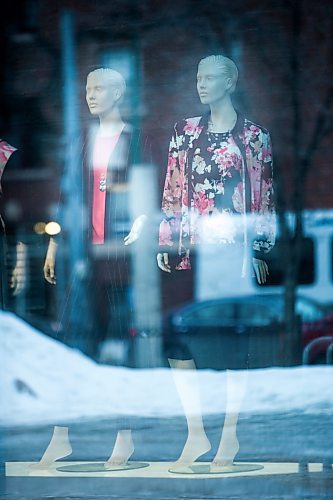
[122,450]
[229,445]
[186,381]
[59,447]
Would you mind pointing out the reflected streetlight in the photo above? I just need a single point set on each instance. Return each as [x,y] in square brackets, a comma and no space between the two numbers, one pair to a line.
[52,228]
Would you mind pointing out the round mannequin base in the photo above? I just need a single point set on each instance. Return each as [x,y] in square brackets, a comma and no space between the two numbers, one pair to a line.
[101,467]
[207,468]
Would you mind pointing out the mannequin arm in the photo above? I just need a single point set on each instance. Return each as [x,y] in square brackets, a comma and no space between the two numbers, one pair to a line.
[261,270]
[265,222]
[136,230]
[19,274]
[49,264]
[163,262]
[172,194]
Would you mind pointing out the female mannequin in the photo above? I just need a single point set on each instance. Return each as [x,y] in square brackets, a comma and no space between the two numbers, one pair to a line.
[220,167]
[17,280]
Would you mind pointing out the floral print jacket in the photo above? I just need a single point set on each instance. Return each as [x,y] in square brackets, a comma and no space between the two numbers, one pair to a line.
[256,192]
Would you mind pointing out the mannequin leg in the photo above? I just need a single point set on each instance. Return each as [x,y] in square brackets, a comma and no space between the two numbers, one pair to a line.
[122,449]
[229,445]
[59,447]
[186,381]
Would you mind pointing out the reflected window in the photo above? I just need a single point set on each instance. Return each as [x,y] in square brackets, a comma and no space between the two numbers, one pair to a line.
[309,310]
[250,311]
[256,314]
[218,314]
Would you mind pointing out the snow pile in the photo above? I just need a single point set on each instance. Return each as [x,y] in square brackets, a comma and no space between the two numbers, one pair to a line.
[42,380]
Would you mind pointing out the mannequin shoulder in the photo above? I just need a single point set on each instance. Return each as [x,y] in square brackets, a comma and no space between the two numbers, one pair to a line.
[187,125]
[254,129]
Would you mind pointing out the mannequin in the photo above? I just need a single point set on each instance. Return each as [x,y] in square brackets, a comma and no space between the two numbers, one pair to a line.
[115,147]
[219,166]
[104,91]
[216,81]
[17,281]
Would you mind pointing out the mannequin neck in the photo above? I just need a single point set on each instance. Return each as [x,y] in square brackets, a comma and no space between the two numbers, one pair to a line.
[111,123]
[223,115]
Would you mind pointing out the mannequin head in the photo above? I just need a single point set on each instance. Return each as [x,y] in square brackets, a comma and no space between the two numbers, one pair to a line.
[104,90]
[216,78]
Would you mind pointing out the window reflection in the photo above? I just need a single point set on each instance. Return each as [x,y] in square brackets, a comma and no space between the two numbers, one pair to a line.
[66,349]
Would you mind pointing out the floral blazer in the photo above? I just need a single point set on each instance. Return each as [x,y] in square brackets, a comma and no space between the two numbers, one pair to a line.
[256,190]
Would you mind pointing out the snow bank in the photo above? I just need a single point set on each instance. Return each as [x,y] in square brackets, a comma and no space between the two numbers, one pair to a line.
[42,380]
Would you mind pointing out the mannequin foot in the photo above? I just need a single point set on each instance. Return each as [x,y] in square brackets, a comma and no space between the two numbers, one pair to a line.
[195,446]
[122,450]
[227,451]
[59,447]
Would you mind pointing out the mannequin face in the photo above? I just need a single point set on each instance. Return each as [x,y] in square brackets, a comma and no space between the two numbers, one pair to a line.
[102,93]
[212,84]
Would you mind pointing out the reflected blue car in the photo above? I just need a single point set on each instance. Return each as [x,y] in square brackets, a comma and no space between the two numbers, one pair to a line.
[242,332]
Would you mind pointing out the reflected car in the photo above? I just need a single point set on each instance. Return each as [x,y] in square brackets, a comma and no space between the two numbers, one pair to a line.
[244,331]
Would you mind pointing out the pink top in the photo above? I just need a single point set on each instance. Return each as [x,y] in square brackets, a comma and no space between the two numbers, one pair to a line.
[103,149]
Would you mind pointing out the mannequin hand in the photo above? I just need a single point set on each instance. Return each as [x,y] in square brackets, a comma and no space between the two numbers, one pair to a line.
[18,279]
[49,263]
[19,275]
[48,269]
[163,262]
[261,270]
[136,230]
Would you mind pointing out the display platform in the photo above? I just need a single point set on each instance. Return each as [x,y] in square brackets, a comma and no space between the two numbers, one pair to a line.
[154,470]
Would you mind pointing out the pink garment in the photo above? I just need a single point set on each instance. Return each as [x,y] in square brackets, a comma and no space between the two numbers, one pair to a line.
[103,148]
[6,150]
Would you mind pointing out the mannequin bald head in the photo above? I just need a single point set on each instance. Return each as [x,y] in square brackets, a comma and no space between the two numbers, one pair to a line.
[105,87]
[222,65]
